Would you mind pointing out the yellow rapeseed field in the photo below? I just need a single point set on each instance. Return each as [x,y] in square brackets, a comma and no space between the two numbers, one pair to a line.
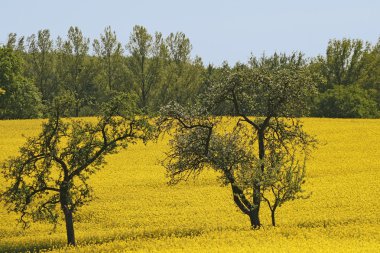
[136,211]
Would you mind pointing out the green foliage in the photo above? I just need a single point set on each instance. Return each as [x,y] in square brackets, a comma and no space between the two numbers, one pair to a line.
[74,72]
[287,148]
[343,63]
[14,43]
[179,47]
[19,98]
[277,61]
[21,101]
[181,81]
[348,86]
[110,55]
[261,158]
[145,63]
[40,65]
[370,76]
[350,101]
[160,69]
[51,173]
[263,90]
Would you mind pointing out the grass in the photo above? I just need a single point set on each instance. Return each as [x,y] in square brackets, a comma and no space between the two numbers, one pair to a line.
[136,211]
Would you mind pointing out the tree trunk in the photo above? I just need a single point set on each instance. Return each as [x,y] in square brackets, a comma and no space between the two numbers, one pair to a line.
[69,226]
[64,200]
[109,72]
[77,109]
[255,219]
[260,135]
[273,217]
[254,215]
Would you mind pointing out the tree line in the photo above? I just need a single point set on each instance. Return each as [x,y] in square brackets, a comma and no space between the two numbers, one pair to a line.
[38,69]
[34,70]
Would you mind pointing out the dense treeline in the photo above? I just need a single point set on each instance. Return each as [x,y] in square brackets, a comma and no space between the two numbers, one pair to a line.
[157,69]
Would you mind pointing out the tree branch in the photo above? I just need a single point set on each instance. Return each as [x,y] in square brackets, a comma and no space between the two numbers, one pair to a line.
[100,151]
[29,196]
[63,165]
[237,191]
[190,126]
[237,109]
[239,203]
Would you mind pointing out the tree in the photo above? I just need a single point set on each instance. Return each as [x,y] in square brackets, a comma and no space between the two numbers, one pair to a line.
[73,67]
[21,101]
[263,155]
[110,53]
[40,67]
[52,169]
[145,62]
[350,101]
[182,76]
[343,63]
[370,76]
[348,86]
[12,40]
[20,98]
[287,148]
[179,47]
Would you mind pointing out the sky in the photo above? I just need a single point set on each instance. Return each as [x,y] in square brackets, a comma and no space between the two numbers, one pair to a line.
[218,29]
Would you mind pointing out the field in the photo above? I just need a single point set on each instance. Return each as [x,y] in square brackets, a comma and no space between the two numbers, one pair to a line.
[135,210]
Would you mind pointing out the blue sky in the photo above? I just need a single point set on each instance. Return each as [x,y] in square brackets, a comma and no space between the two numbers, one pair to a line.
[218,30]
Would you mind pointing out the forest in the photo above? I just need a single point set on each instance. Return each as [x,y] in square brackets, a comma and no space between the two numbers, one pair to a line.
[37,69]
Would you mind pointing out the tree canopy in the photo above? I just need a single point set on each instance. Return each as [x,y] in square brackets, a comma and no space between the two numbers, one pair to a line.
[19,97]
[263,157]
[50,174]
